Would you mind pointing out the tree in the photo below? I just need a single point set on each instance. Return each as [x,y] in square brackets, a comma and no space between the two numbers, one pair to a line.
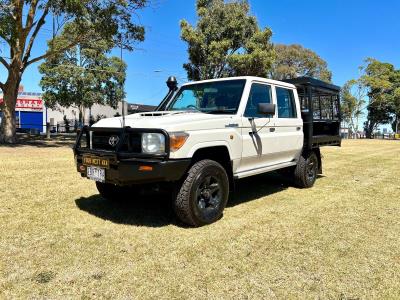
[226,41]
[22,20]
[383,84]
[353,95]
[396,100]
[378,113]
[66,123]
[294,61]
[82,76]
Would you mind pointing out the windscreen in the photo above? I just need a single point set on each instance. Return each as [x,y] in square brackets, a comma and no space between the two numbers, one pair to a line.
[221,97]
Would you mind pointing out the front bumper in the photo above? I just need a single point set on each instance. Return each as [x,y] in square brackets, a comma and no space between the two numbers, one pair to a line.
[139,171]
[125,166]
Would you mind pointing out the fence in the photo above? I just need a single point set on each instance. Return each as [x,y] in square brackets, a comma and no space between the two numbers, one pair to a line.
[61,128]
[38,128]
[380,136]
[387,136]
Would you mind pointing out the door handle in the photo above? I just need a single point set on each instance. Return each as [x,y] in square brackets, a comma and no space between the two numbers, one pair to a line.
[298,128]
[272,129]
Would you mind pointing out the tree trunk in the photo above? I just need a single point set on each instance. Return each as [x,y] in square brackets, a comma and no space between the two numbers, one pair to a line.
[369,128]
[82,115]
[8,120]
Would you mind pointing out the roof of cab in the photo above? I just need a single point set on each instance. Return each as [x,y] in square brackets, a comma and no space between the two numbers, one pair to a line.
[248,78]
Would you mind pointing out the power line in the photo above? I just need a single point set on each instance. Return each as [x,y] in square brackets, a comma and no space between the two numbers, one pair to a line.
[149,74]
[89,69]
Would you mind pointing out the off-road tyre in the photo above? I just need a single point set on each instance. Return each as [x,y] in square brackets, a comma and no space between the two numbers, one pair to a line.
[203,194]
[306,170]
[111,192]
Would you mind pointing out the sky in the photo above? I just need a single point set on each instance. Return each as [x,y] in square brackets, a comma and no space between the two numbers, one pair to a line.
[343,33]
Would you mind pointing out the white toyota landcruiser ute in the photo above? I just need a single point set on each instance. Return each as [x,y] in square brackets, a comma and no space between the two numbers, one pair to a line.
[205,135]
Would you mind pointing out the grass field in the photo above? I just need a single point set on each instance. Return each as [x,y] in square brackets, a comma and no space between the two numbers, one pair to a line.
[338,240]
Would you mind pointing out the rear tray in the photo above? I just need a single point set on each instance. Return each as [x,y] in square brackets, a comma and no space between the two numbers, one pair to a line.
[320,107]
[326,140]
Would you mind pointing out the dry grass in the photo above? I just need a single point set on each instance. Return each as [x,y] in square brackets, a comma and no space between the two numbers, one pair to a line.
[340,239]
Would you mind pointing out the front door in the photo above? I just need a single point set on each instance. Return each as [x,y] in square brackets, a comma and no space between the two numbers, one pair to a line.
[258,131]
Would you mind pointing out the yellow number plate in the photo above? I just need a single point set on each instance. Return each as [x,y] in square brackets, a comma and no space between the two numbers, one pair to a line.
[96,161]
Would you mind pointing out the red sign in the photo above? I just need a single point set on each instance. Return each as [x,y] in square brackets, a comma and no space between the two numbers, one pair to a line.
[28,104]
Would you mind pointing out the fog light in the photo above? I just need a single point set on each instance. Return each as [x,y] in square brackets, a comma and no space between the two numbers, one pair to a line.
[82,168]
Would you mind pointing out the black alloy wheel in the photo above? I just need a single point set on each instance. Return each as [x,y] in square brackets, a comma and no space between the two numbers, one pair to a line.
[312,168]
[209,194]
[203,194]
[306,171]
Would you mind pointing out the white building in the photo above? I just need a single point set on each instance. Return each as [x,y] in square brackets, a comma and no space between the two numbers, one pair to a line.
[32,113]
[56,115]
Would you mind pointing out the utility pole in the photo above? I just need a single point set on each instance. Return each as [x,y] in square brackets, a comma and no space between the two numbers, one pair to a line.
[123,100]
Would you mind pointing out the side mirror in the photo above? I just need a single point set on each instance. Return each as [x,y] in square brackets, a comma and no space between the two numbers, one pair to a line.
[266,109]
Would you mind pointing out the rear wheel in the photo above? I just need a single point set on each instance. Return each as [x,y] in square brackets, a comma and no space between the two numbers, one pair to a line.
[111,191]
[203,195]
[306,170]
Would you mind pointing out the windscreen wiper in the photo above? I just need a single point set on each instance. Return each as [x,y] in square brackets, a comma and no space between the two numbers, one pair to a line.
[216,111]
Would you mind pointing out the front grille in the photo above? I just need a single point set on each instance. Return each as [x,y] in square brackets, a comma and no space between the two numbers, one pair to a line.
[135,143]
[132,142]
[129,141]
[101,140]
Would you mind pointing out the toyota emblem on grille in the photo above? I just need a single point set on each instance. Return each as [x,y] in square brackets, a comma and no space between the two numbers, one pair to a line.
[113,140]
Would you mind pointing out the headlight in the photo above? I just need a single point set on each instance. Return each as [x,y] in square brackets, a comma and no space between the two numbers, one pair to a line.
[153,143]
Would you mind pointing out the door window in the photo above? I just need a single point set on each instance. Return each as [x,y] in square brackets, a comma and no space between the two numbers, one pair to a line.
[259,93]
[286,103]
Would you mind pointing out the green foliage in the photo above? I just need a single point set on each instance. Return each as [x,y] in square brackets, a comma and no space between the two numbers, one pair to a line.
[82,76]
[226,41]
[294,61]
[353,95]
[82,22]
[383,83]
[111,18]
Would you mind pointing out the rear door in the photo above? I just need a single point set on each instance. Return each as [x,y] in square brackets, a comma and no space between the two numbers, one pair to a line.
[288,125]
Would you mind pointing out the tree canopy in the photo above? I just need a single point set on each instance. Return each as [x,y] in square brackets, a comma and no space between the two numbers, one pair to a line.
[82,76]
[295,61]
[89,21]
[383,83]
[226,41]
[353,95]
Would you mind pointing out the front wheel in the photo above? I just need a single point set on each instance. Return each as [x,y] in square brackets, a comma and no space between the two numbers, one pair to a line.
[306,170]
[203,195]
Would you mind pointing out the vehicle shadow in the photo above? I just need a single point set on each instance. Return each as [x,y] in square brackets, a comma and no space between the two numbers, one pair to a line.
[24,140]
[157,211]
[258,186]
[150,211]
